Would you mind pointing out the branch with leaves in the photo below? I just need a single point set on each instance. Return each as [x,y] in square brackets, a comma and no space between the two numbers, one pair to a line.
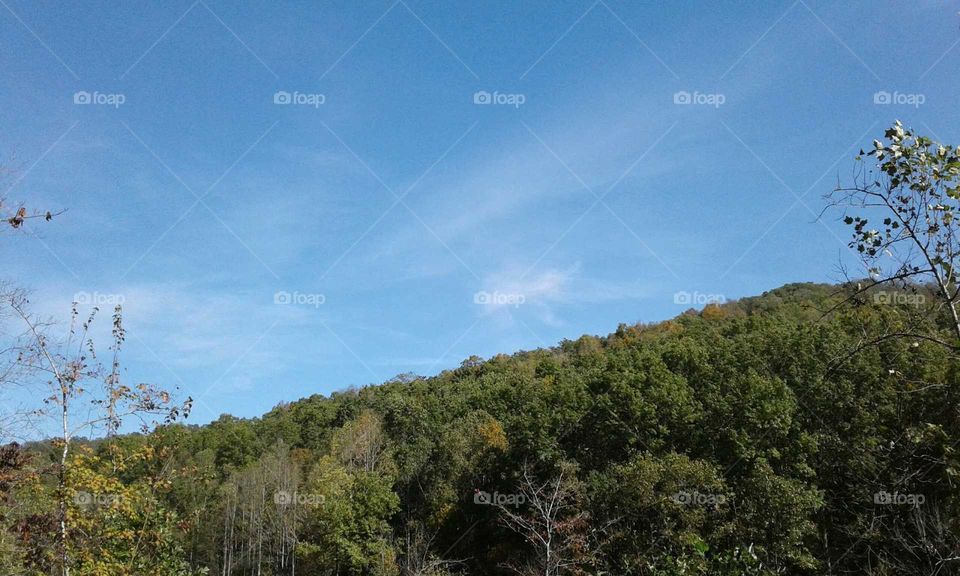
[903,214]
[72,371]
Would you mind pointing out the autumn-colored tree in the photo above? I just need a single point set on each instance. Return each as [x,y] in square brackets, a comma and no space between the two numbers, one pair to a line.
[82,395]
[121,528]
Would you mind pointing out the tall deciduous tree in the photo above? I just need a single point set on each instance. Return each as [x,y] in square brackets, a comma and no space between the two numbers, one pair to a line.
[904,217]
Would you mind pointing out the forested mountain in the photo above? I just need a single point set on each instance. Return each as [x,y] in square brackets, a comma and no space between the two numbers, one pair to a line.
[769,435]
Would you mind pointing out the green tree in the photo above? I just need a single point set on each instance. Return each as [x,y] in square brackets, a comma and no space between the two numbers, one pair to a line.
[347,530]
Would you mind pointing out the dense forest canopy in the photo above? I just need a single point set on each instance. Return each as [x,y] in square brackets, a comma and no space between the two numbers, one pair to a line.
[744,438]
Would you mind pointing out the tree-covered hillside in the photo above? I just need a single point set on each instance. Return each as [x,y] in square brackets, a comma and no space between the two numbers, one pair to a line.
[772,435]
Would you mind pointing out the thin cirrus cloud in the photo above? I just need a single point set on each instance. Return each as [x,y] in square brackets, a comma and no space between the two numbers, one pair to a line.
[521,196]
[513,292]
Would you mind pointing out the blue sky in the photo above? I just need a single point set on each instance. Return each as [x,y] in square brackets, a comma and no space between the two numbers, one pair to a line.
[383,202]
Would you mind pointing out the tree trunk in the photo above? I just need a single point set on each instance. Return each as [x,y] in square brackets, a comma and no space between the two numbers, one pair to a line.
[62,485]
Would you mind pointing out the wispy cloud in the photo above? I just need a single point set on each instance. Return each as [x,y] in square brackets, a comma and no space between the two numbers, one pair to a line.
[510,292]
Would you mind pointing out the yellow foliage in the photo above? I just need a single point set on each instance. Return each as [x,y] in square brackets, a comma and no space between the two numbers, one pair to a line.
[713,312]
[117,528]
[492,435]
[441,515]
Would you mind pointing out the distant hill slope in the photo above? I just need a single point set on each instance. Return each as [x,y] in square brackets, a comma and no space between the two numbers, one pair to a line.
[740,439]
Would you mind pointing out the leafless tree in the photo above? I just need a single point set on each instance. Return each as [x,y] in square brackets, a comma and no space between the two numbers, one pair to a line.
[14,420]
[261,514]
[362,443]
[549,515]
[418,557]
